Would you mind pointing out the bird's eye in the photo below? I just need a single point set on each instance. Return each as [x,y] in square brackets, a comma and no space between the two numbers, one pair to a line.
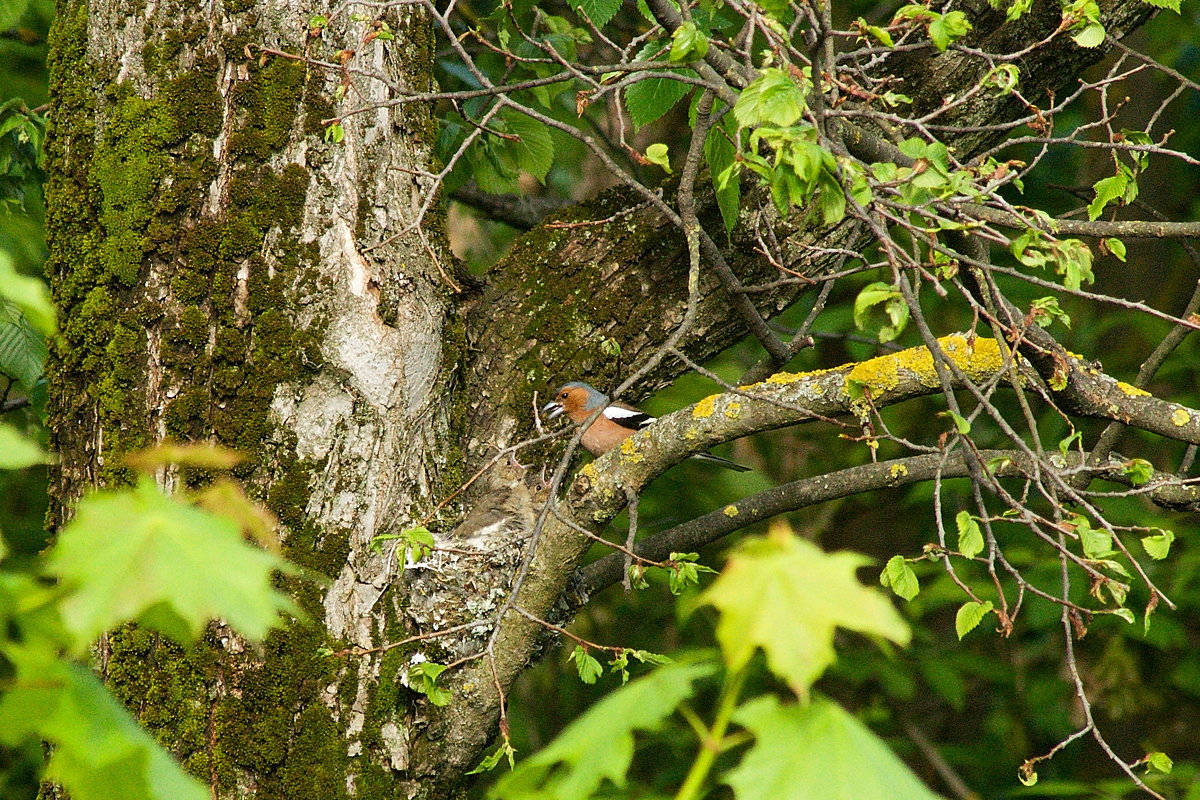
[562,396]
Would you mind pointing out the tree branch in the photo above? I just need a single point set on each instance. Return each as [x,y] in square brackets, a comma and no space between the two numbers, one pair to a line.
[1164,489]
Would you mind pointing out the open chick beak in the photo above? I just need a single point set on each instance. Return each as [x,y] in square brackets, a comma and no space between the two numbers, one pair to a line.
[552,409]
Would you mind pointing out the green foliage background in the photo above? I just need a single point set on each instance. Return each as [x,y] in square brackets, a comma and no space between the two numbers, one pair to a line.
[987,702]
[23,49]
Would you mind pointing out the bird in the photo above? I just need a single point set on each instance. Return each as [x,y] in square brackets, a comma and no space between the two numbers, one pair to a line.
[615,424]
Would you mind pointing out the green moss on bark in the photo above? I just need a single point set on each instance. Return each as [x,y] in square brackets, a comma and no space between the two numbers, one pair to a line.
[129,197]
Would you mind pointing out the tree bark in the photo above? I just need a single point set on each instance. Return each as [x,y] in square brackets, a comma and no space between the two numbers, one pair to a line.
[225,274]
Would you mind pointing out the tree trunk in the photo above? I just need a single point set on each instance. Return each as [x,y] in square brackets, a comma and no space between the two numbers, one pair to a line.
[226,274]
[210,257]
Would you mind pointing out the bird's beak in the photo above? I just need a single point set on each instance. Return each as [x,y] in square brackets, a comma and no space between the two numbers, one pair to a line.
[552,409]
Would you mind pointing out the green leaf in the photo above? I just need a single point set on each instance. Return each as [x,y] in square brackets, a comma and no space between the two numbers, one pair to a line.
[688,43]
[816,751]
[1064,444]
[772,99]
[898,576]
[1125,614]
[720,154]
[1159,761]
[489,762]
[422,678]
[599,744]
[534,153]
[1091,36]
[600,12]
[29,295]
[1172,5]
[1158,545]
[191,566]
[1116,247]
[657,153]
[1107,190]
[1139,470]
[960,422]
[1073,260]
[98,751]
[586,665]
[1016,9]
[335,133]
[881,308]
[1096,542]
[11,13]
[648,100]
[784,595]
[970,615]
[830,201]
[18,451]
[23,350]
[1046,311]
[415,544]
[620,662]
[970,537]
[998,463]
[946,28]
[776,9]
[684,571]
[880,35]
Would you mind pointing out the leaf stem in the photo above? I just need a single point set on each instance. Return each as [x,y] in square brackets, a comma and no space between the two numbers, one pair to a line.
[710,744]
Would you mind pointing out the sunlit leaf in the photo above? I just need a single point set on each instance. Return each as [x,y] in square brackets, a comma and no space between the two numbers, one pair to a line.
[969,616]
[658,154]
[98,751]
[804,752]
[773,98]
[18,451]
[1158,545]
[29,295]
[192,566]
[970,537]
[898,576]
[599,744]
[586,665]
[784,595]
[1090,36]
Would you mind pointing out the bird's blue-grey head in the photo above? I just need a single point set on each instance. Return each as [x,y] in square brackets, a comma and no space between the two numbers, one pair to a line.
[575,395]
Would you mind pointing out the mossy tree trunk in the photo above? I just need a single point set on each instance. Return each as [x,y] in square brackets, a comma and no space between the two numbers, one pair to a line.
[210,258]
[225,274]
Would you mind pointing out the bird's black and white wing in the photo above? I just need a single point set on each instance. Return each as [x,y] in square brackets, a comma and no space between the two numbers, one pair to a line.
[628,417]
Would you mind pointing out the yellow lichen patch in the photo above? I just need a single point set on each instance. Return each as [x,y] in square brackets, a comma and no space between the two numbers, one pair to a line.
[691,433]
[1132,390]
[731,511]
[897,470]
[733,410]
[1181,417]
[704,408]
[784,378]
[882,374]
[589,471]
[630,453]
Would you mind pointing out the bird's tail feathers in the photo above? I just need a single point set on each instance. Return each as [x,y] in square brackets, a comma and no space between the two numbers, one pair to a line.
[724,462]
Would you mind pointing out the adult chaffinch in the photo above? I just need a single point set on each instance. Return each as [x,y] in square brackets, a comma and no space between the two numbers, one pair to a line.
[615,424]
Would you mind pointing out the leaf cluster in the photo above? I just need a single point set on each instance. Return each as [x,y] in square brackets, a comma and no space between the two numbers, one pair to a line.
[130,555]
